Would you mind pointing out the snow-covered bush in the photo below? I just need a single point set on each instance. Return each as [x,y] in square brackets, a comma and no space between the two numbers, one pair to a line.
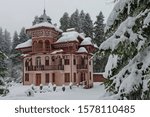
[3,89]
[41,86]
[84,84]
[49,85]
[63,88]
[33,87]
[70,85]
[54,87]
[29,92]
[5,92]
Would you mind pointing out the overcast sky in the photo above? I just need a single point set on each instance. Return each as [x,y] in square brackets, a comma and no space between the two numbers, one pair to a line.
[14,14]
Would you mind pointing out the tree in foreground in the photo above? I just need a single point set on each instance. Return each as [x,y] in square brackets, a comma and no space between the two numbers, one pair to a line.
[128,47]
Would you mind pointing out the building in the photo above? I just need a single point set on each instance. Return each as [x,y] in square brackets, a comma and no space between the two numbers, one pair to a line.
[98,77]
[55,56]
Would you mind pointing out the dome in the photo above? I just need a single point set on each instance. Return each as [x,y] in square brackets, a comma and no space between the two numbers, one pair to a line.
[42,18]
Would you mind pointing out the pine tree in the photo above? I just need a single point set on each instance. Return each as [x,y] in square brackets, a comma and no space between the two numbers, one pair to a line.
[128,47]
[81,21]
[15,53]
[99,29]
[7,40]
[64,22]
[16,66]
[2,72]
[23,36]
[3,66]
[99,63]
[1,40]
[88,26]
[15,40]
[74,20]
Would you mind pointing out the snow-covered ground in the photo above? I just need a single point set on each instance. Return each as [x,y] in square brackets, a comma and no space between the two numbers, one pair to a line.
[17,92]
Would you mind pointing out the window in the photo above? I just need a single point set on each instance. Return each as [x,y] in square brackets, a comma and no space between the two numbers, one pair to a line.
[27,63]
[47,61]
[74,61]
[47,78]
[47,45]
[53,77]
[66,61]
[27,77]
[74,77]
[38,61]
[67,77]
[82,61]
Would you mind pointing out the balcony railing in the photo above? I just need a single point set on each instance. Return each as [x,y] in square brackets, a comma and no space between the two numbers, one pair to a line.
[42,67]
[82,66]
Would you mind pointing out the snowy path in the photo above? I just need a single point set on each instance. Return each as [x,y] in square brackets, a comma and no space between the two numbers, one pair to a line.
[17,92]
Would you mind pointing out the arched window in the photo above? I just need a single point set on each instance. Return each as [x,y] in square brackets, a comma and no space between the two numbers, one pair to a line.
[47,61]
[47,45]
[40,46]
[27,63]
[38,61]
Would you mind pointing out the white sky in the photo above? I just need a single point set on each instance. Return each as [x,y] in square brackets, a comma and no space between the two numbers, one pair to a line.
[14,14]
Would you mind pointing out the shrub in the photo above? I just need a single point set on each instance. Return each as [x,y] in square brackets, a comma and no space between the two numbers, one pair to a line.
[70,85]
[49,85]
[63,88]
[29,92]
[3,91]
[32,87]
[41,86]
[54,87]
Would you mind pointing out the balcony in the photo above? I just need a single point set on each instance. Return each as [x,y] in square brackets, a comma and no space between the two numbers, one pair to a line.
[42,68]
[82,67]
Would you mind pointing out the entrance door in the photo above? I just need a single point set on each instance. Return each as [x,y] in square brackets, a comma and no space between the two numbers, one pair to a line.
[38,79]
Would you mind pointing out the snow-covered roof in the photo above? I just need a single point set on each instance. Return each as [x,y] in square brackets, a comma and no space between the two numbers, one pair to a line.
[69,36]
[82,50]
[25,44]
[86,41]
[99,73]
[45,24]
[57,51]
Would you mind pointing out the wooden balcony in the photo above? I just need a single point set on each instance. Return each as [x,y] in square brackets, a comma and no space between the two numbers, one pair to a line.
[42,68]
[82,67]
